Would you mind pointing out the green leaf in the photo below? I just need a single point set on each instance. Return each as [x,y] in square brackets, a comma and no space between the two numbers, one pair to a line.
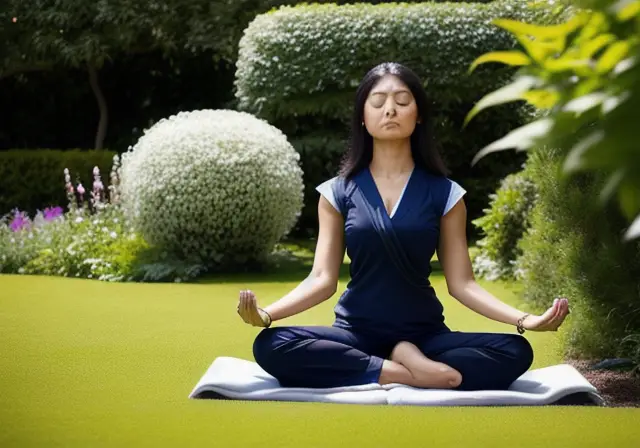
[593,46]
[542,31]
[634,230]
[587,86]
[521,138]
[542,99]
[581,104]
[541,50]
[629,198]
[614,54]
[595,25]
[513,58]
[566,63]
[626,9]
[508,93]
[612,184]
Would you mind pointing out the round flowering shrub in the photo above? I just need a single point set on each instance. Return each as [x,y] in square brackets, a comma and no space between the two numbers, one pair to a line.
[218,186]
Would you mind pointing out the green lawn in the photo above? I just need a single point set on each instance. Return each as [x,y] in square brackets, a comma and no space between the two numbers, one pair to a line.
[86,363]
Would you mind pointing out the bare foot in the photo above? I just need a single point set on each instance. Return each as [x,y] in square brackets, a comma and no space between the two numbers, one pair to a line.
[426,373]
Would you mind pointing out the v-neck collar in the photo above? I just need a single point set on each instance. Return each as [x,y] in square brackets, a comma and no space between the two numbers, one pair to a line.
[399,206]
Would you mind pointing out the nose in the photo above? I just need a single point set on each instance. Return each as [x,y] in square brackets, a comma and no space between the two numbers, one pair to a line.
[389,107]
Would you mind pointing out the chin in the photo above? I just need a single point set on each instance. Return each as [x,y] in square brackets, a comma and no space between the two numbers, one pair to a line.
[392,134]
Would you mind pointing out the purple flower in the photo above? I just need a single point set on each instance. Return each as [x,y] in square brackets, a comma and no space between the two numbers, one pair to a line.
[80,189]
[98,186]
[20,221]
[52,213]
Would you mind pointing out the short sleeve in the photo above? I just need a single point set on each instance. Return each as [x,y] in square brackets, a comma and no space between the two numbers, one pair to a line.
[455,194]
[326,190]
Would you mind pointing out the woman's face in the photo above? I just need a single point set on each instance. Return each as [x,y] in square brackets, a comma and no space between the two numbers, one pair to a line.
[390,111]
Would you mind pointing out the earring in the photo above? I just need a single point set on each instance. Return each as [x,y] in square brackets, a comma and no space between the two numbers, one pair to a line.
[363,124]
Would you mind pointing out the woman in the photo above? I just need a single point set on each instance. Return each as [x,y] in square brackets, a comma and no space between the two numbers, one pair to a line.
[393,207]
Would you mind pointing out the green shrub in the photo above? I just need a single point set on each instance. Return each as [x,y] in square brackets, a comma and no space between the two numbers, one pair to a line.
[308,60]
[574,248]
[218,187]
[92,239]
[32,180]
[503,226]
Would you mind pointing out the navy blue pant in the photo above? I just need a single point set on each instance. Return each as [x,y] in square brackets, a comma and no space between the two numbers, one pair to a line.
[320,356]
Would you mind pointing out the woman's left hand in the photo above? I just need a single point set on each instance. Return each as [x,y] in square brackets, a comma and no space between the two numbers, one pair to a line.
[551,319]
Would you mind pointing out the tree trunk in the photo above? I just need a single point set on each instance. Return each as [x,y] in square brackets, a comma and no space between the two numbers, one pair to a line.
[102,106]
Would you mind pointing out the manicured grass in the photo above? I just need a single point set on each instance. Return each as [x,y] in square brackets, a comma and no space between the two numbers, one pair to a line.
[85,363]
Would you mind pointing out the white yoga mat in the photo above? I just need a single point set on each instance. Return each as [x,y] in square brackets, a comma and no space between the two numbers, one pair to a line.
[234,378]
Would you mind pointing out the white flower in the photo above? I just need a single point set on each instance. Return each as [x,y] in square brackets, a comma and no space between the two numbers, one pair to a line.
[212,181]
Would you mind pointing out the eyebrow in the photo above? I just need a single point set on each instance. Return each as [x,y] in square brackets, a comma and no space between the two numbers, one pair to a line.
[375,92]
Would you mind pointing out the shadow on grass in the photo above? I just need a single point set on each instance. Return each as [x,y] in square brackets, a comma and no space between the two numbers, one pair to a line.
[291,263]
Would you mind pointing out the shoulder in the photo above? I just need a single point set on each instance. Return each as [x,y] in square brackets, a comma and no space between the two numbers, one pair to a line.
[447,191]
[336,190]
[326,189]
[456,192]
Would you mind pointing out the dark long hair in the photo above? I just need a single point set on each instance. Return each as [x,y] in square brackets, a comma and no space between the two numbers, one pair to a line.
[423,144]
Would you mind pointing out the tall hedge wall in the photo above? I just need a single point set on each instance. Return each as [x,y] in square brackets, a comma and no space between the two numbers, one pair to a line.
[298,67]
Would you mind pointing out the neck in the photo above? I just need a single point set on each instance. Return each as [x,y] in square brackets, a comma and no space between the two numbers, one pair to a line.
[391,157]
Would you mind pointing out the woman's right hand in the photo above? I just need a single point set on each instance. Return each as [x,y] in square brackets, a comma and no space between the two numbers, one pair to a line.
[250,312]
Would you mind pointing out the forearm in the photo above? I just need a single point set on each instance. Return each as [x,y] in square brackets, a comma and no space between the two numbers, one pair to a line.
[309,293]
[482,302]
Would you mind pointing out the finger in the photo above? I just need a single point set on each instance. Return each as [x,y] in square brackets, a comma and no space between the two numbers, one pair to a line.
[561,315]
[239,301]
[565,312]
[241,310]
[244,308]
[251,307]
[564,309]
[558,309]
[547,320]
[549,314]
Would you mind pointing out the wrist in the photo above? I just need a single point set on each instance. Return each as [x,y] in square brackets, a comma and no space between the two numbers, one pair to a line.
[520,324]
[266,317]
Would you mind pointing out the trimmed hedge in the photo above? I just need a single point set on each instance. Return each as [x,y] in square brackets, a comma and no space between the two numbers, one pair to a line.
[309,59]
[32,179]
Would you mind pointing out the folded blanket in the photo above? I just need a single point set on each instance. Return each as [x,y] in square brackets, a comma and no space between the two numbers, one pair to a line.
[233,378]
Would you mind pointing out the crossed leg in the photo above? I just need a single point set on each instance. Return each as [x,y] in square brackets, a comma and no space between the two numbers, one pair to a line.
[317,356]
[484,361]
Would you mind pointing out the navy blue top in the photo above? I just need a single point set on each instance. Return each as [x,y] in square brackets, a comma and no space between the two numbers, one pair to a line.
[389,291]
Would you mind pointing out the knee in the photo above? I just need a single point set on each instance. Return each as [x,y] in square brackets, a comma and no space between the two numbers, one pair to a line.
[522,351]
[271,345]
[264,345]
